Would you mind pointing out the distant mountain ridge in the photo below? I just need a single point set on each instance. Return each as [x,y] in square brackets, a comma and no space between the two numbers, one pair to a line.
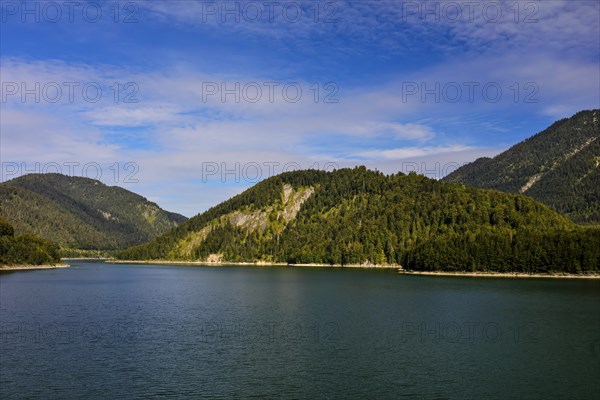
[559,166]
[82,213]
[358,216]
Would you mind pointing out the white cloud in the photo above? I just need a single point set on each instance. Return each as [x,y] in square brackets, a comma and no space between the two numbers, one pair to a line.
[406,153]
[401,27]
[134,116]
[188,130]
[396,130]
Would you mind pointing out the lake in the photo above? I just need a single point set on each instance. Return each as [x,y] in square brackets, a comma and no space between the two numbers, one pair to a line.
[100,330]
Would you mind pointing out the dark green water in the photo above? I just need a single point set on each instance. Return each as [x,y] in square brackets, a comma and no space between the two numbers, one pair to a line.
[119,331]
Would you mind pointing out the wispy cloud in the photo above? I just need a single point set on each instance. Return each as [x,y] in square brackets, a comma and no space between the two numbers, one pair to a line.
[394,77]
[408,153]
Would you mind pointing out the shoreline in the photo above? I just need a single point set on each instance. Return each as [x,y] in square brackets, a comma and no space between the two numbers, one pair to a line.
[337,266]
[501,274]
[365,266]
[31,267]
[254,264]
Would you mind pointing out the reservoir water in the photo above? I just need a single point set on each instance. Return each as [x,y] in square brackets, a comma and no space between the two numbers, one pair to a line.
[99,330]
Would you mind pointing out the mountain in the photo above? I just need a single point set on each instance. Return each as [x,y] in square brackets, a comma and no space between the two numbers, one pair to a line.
[25,249]
[82,213]
[358,216]
[559,167]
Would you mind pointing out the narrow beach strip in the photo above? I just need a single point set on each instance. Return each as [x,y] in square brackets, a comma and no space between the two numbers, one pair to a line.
[502,274]
[257,263]
[31,267]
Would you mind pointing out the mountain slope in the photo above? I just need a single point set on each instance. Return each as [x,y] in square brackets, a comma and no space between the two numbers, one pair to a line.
[559,166]
[82,213]
[364,217]
[25,249]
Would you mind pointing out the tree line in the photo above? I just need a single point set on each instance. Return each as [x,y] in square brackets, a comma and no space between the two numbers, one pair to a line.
[25,249]
[358,216]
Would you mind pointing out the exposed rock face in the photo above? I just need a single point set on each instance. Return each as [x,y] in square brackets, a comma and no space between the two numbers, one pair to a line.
[251,220]
[193,240]
[292,201]
[558,166]
[215,258]
[530,182]
[287,210]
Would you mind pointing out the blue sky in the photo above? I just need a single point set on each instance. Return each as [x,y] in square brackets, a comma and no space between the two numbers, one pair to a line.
[393,85]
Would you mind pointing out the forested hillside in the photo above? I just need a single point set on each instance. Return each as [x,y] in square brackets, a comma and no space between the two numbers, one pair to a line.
[25,249]
[81,213]
[559,166]
[359,216]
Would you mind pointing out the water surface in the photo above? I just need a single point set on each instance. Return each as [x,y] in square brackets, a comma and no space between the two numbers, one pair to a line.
[125,331]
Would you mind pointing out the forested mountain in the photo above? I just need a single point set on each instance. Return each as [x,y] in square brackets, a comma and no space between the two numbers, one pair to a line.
[82,213]
[25,249]
[559,166]
[357,216]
